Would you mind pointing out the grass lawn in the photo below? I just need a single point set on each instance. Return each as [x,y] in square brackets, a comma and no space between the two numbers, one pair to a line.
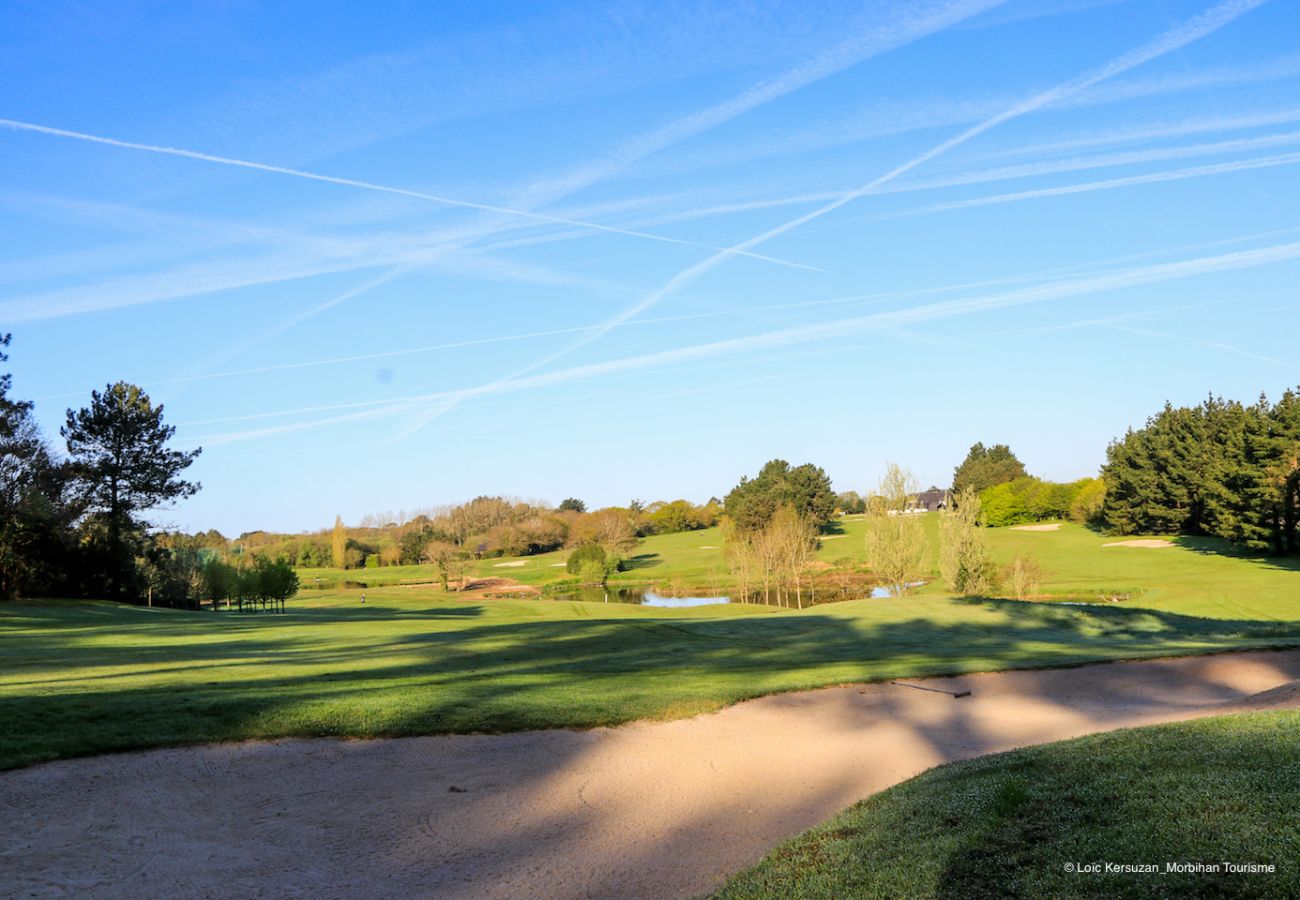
[79,678]
[1200,577]
[86,677]
[1210,791]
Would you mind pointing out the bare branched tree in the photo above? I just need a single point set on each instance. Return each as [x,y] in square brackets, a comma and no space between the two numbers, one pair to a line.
[896,542]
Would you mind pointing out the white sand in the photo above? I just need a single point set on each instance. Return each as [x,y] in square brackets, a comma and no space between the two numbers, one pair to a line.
[1053,526]
[1142,542]
[511,565]
[650,809]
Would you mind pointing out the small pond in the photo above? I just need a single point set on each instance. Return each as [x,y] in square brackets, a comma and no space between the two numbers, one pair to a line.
[645,596]
[642,596]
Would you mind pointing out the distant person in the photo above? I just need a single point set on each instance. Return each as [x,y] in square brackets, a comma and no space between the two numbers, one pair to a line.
[363,598]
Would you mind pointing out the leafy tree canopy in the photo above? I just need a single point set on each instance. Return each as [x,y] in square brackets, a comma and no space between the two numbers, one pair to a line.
[753,502]
[985,467]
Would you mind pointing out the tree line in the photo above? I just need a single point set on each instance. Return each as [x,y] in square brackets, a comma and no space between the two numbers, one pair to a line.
[1222,468]
[482,528]
[72,524]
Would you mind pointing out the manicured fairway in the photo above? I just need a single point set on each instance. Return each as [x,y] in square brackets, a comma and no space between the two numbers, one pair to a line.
[1030,822]
[78,678]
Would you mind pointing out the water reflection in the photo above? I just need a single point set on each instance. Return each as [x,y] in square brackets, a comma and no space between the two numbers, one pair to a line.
[648,596]
[638,595]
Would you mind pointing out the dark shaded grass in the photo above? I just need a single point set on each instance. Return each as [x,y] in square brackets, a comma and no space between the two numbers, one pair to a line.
[81,679]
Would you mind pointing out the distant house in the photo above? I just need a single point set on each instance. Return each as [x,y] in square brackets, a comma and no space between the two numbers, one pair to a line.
[929,500]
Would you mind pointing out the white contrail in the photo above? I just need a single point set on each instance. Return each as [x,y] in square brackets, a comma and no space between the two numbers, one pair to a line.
[878,296]
[206,277]
[1055,272]
[1180,36]
[381,188]
[1217,345]
[961,179]
[343,255]
[1157,131]
[844,55]
[1245,165]
[875,322]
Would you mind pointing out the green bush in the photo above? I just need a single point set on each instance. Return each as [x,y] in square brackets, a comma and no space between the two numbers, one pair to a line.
[1031,499]
[1089,500]
[583,555]
[592,572]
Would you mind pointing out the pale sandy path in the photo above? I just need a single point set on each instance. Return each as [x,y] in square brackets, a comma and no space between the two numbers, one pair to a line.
[646,810]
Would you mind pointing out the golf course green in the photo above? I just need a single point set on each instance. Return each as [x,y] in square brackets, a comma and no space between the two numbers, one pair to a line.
[82,677]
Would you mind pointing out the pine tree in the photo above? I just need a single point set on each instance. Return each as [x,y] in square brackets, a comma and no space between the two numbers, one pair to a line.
[119,454]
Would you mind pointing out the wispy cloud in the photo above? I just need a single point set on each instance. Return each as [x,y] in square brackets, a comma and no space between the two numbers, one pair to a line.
[1207,23]
[819,331]
[532,215]
[1243,165]
[956,179]
[910,24]
[886,117]
[192,279]
[1161,130]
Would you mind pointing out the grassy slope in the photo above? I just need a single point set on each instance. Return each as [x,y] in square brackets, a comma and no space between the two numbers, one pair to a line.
[1215,790]
[1195,578]
[81,678]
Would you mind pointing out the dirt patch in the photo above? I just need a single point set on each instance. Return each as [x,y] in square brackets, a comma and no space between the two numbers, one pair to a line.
[1052,526]
[495,586]
[650,809]
[1153,543]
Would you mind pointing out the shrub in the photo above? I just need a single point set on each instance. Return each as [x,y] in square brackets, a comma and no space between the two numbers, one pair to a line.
[1023,576]
[585,554]
[591,572]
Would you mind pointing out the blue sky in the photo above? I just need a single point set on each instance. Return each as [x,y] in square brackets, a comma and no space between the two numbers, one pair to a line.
[384,260]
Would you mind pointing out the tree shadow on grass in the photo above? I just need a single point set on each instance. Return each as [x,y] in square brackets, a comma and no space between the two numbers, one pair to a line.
[1211,546]
[518,675]
[642,561]
[481,676]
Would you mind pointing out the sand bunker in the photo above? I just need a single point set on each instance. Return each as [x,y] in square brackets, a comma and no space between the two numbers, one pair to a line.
[510,565]
[650,809]
[1154,543]
[1285,696]
[1053,526]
